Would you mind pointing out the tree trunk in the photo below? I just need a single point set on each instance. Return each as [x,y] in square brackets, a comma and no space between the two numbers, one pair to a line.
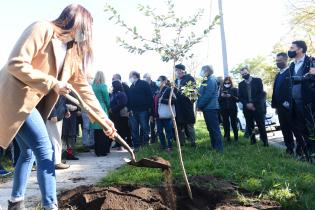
[178,145]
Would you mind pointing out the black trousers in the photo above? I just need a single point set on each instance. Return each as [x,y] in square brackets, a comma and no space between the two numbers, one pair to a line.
[287,124]
[101,143]
[229,117]
[259,118]
[298,115]
[153,131]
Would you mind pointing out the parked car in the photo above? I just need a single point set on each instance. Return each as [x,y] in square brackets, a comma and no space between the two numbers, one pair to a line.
[271,119]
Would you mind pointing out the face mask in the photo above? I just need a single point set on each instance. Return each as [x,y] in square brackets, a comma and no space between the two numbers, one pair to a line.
[227,85]
[79,36]
[281,65]
[292,54]
[158,83]
[246,76]
[202,74]
[131,80]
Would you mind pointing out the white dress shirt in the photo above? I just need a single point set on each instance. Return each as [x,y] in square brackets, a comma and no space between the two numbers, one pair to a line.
[60,54]
[298,64]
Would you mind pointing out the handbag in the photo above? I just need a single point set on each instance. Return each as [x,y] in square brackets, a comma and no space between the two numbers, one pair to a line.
[164,110]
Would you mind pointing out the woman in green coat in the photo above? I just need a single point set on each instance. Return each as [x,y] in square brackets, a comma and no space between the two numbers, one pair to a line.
[102,143]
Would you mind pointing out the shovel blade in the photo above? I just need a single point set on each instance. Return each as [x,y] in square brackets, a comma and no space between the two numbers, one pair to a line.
[153,162]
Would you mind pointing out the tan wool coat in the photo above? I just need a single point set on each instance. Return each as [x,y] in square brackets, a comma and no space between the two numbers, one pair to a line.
[26,81]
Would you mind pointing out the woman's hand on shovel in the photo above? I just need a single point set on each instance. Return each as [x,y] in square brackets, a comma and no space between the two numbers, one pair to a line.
[111,132]
[62,88]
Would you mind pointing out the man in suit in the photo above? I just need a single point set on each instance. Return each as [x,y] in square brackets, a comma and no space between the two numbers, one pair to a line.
[282,100]
[301,92]
[253,98]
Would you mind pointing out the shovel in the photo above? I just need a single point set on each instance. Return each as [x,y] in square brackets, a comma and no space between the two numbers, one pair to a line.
[153,162]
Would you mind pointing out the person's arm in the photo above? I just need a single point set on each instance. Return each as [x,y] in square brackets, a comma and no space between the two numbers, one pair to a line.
[148,95]
[106,97]
[27,47]
[235,95]
[241,94]
[260,92]
[209,91]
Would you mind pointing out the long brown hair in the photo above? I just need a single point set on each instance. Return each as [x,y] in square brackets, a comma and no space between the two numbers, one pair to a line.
[228,78]
[73,18]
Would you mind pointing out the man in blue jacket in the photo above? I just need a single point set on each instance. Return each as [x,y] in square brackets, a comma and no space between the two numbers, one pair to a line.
[208,103]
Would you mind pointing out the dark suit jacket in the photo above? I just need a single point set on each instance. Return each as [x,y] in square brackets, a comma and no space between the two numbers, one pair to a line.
[257,94]
[308,89]
[285,91]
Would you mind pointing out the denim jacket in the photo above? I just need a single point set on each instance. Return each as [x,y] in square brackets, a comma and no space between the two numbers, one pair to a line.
[209,94]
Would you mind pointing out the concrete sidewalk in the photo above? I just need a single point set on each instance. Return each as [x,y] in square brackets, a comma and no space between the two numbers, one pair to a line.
[86,171]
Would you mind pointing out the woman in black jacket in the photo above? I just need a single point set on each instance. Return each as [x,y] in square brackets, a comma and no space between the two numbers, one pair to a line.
[228,108]
[118,111]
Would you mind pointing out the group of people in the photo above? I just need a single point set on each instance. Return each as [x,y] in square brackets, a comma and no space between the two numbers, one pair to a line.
[51,58]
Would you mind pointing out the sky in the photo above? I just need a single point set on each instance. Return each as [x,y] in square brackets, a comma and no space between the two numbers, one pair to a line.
[252,27]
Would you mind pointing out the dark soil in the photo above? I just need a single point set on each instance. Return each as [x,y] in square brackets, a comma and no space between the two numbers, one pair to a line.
[208,192]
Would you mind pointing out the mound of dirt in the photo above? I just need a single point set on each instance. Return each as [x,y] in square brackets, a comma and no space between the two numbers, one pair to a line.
[208,192]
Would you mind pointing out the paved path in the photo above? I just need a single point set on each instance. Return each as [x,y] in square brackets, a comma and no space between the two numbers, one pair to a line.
[276,139]
[88,170]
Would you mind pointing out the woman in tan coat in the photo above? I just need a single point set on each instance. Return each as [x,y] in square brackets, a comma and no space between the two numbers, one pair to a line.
[46,60]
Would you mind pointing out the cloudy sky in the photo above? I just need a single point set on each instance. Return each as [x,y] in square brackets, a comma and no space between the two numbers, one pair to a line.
[252,28]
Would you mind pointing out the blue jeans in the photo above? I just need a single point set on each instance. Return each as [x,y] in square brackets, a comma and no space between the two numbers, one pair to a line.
[212,121]
[85,129]
[34,142]
[140,119]
[168,126]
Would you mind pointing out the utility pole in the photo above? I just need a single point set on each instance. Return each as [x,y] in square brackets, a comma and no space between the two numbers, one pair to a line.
[223,42]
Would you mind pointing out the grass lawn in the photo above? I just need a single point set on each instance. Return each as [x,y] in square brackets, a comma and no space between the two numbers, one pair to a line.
[264,172]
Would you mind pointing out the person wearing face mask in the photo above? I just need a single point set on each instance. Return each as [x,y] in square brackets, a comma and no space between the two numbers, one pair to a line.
[253,99]
[185,115]
[140,102]
[163,123]
[154,90]
[228,108]
[302,93]
[282,102]
[47,58]
[208,103]
[117,77]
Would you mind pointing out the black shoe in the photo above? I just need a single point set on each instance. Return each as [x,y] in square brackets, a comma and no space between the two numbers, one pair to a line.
[266,144]
[86,149]
[72,157]
[16,205]
[193,145]
[289,151]
[101,155]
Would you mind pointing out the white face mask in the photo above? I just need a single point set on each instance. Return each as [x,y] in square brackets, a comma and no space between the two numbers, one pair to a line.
[79,36]
[202,73]
[132,80]
[158,83]
[227,85]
